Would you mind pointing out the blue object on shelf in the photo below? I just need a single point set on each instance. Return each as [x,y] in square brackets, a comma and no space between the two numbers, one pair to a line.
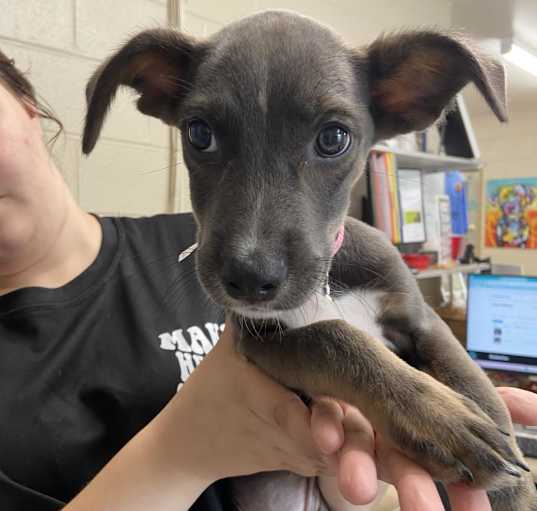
[456,190]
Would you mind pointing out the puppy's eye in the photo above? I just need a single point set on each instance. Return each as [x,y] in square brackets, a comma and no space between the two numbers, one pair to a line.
[333,140]
[201,136]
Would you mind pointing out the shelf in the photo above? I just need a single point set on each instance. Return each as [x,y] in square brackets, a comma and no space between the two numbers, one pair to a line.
[430,162]
[458,268]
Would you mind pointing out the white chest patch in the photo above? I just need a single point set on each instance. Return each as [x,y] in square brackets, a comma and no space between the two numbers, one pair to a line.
[359,308]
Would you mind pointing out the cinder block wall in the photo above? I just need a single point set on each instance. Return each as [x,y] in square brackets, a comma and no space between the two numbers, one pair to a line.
[61,42]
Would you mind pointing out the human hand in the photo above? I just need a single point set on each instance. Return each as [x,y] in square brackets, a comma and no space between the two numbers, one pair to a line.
[522,405]
[228,419]
[240,421]
[364,457]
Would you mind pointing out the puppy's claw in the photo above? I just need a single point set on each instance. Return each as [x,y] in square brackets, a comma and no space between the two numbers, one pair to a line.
[503,432]
[523,466]
[466,472]
[307,400]
[512,461]
[511,470]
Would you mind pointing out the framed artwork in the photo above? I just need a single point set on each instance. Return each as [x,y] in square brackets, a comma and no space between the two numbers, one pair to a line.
[511,213]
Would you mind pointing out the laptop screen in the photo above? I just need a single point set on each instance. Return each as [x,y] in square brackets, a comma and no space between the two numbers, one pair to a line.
[502,322]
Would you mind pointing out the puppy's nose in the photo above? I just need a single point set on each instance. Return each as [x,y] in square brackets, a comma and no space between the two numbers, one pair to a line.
[253,279]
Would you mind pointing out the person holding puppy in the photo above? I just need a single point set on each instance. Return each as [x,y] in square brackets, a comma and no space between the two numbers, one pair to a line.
[99,326]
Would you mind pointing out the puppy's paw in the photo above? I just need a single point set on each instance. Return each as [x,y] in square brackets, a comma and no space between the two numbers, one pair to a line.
[454,440]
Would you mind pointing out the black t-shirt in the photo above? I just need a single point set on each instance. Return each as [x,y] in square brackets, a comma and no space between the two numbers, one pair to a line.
[86,366]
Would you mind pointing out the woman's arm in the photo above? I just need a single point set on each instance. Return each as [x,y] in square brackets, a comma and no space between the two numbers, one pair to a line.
[228,419]
[158,469]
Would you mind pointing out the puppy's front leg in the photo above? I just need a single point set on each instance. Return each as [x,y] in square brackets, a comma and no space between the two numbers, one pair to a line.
[443,431]
[443,357]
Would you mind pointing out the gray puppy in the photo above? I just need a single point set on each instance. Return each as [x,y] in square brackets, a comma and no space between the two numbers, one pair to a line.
[277,117]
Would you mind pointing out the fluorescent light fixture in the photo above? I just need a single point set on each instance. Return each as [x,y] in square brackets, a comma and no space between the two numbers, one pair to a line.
[522,58]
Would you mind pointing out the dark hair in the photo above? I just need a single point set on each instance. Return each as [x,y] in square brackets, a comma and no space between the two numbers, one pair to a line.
[24,90]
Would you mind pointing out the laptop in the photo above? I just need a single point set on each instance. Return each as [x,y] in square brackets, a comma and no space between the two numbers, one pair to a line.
[502,331]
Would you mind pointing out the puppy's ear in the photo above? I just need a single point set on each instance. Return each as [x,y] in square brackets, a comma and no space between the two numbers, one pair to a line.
[413,76]
[158,64]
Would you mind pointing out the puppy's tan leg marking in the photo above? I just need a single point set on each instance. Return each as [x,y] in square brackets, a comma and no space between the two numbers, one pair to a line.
[445,432]
[445,359]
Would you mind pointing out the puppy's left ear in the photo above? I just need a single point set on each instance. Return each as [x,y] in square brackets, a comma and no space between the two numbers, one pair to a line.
[413,76]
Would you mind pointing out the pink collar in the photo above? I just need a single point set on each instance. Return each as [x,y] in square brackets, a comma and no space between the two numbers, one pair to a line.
[339,240]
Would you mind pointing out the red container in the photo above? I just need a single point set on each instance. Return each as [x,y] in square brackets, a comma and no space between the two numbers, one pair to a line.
[417,261]
[456,247]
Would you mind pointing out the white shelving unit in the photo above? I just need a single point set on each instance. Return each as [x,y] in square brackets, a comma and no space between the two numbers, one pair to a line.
[431,162]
